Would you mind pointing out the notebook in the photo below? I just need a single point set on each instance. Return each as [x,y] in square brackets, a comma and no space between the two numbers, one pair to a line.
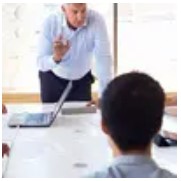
[39,119]
[81,109]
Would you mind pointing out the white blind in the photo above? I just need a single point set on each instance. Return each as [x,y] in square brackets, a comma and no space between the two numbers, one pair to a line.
[148,41]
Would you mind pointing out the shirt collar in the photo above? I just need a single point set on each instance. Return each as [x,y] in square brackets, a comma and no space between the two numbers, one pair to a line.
[133,159]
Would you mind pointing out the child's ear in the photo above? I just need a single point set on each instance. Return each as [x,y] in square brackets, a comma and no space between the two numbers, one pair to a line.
[104,127]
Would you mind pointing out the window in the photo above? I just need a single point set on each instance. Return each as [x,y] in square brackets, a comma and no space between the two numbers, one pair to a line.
[147,41]
[147,36]
[21,25]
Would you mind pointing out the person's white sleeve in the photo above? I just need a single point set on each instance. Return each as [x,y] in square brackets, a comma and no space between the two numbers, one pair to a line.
[104,68]
[45,48]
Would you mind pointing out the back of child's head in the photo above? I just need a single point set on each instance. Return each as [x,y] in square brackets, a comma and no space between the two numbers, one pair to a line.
[132,110]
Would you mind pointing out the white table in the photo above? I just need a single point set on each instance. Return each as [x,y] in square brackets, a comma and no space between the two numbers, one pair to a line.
[73,146]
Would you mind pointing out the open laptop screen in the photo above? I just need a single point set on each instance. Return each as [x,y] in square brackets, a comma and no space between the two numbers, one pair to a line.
[39,119]
[62,99]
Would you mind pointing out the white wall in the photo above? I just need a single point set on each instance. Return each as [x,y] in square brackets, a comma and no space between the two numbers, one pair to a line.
[148,41]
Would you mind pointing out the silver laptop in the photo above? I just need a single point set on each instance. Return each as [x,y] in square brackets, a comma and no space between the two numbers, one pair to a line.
[39,119]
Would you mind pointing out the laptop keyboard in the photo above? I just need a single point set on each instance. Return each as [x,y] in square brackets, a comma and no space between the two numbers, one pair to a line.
[38,119]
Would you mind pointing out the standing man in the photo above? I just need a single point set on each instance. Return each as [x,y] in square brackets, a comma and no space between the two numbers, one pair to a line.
[67,43]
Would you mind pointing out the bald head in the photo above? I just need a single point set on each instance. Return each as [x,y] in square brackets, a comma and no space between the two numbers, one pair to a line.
[75,13]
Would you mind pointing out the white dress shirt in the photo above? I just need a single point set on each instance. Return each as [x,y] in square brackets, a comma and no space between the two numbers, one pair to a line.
[88,40]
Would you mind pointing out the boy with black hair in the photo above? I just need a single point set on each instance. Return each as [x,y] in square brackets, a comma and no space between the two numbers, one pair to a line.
[132,111]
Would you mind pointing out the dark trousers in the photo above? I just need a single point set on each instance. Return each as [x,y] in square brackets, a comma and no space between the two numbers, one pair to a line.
[52,87]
